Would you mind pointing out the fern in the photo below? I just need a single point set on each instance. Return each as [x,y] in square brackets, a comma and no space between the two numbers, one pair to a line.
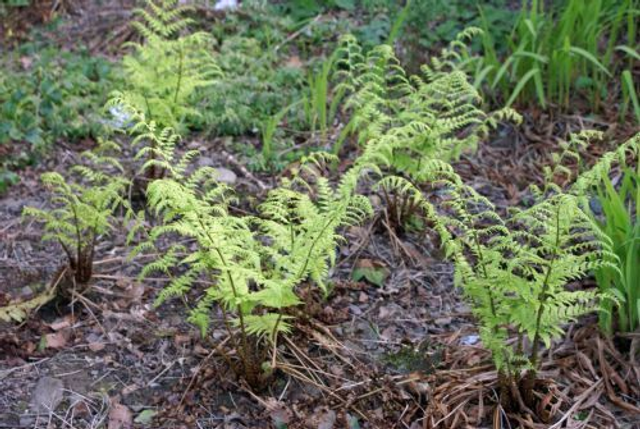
[83,211]
[303,216]
[256,265]
[514,269]
[612,209]
[154,148]
[616,211]
[405,122]
[409,120]
[165,70]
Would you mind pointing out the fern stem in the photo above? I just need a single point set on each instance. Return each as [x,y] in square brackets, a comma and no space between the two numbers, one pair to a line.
[274,339]
[68,252]
[306,262]
[315,241]
[233,289]
[292,236]
[180,71]
[149,112]
[225,319]
[492,303]
[76,222]
[543,296]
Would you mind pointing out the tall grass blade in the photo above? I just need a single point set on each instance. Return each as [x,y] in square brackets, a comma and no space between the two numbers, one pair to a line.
[589,57]
[629,51]
[630,90]
[521,84]
[398,23]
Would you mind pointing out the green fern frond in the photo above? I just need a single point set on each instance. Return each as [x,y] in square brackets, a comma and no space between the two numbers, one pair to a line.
[83,211]
[165,70]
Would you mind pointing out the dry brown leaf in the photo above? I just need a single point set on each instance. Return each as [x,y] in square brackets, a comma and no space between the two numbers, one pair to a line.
[120,417]
[60,324]
[57,340]
[96,347]
[294,62]
[135,291]
[278,411]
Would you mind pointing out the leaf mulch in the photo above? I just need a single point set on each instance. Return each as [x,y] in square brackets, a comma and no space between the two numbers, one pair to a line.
[401,354]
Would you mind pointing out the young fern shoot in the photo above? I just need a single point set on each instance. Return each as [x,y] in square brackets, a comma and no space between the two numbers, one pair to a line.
[82,212]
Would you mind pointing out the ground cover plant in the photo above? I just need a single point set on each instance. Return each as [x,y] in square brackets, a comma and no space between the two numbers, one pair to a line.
[47,95]
[285,216]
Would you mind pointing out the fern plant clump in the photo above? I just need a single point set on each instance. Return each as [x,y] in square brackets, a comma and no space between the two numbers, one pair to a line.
[164,71]
[515,269]
[404,122]
[84,211]
[255,266]
[413,119]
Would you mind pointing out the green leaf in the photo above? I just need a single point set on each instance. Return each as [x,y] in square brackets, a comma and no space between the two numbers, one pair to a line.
[627,81]
[275,295]
[539,58]
[145,417]
[589,57]
[268,323]
[345,4]
[521,84]
[629,51]
[375,276]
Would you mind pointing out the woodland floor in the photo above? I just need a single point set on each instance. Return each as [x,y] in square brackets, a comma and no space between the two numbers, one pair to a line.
[402,355]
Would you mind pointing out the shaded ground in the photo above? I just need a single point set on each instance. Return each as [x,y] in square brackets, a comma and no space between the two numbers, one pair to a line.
[404,354]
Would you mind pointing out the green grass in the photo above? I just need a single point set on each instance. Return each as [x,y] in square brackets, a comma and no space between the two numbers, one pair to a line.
[622,225]
[559,51]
